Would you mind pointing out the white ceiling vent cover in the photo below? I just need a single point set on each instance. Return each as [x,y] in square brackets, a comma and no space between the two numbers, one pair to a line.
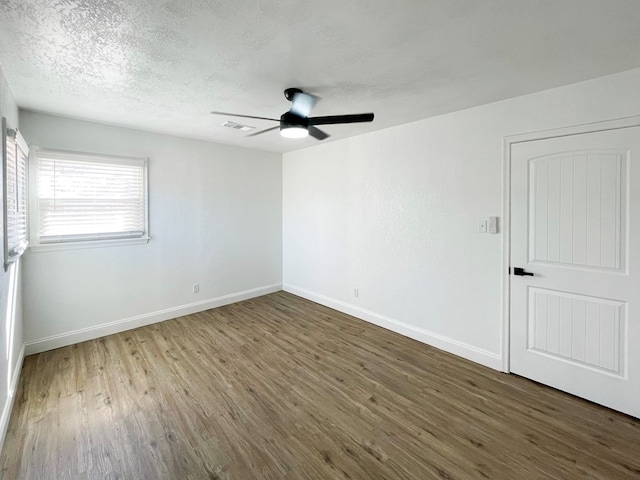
[237,126]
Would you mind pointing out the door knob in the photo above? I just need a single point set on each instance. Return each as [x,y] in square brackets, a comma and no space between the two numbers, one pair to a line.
[521,272]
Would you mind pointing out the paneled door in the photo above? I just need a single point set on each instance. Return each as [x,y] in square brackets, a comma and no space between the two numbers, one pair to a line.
[575,265]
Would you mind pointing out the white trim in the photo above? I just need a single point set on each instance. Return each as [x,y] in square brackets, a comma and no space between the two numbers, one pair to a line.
[63,154]
[477,355]
[8,406]
[506,254]
[604,125]
[16,371]
[508,141]
[119,242]
[90,333]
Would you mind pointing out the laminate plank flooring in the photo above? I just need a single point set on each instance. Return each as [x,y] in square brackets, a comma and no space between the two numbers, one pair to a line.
[282,388]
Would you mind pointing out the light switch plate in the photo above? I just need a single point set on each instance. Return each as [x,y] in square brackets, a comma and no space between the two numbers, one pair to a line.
[493,224]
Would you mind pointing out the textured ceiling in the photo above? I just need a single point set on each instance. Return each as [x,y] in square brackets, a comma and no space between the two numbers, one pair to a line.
[164,65]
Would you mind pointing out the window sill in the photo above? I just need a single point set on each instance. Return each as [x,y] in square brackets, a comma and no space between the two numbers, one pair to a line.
[52,247]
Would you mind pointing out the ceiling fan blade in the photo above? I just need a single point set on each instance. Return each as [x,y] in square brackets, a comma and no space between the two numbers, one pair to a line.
[244,116]
[263,131]
[331,119]
[303,103]
[317,133]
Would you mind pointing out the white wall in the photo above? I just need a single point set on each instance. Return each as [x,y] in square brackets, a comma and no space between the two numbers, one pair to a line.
[11,352]
[395,214]
[215,219]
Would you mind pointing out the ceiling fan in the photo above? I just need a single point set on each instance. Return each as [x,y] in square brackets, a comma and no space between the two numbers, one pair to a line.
[296,123]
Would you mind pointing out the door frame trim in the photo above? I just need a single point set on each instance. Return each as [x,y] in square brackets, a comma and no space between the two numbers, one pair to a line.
[507,143]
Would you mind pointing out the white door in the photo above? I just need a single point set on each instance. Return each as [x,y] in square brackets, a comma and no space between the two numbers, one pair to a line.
[575,324]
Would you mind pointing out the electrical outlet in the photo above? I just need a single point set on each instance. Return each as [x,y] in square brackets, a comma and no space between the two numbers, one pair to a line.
[356,292]
[196,288]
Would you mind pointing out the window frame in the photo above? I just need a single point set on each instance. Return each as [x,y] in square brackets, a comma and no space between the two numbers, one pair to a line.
[34,237]
[12,252]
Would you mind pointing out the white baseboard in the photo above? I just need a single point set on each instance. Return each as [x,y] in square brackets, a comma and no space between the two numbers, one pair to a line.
[478,355]
[8,406]
[90,333]
[456,347]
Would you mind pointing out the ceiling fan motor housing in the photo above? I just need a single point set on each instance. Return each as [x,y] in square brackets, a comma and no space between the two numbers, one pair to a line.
[288,120]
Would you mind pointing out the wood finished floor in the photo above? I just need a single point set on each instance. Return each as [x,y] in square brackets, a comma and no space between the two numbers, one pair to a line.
[281,388]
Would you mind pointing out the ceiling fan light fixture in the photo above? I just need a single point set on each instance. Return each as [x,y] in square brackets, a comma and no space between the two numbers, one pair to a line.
[293,131]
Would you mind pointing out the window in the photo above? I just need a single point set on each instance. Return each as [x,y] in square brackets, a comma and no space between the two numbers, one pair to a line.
[15,155]
[82,200]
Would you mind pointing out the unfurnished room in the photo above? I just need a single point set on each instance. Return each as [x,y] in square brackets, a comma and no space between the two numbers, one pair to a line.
[355,240]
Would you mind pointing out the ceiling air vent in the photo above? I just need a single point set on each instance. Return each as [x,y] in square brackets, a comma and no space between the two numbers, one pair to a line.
[238,126]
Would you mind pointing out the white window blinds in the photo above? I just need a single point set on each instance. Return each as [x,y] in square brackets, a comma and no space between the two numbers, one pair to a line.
[16,155]
[86,197]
